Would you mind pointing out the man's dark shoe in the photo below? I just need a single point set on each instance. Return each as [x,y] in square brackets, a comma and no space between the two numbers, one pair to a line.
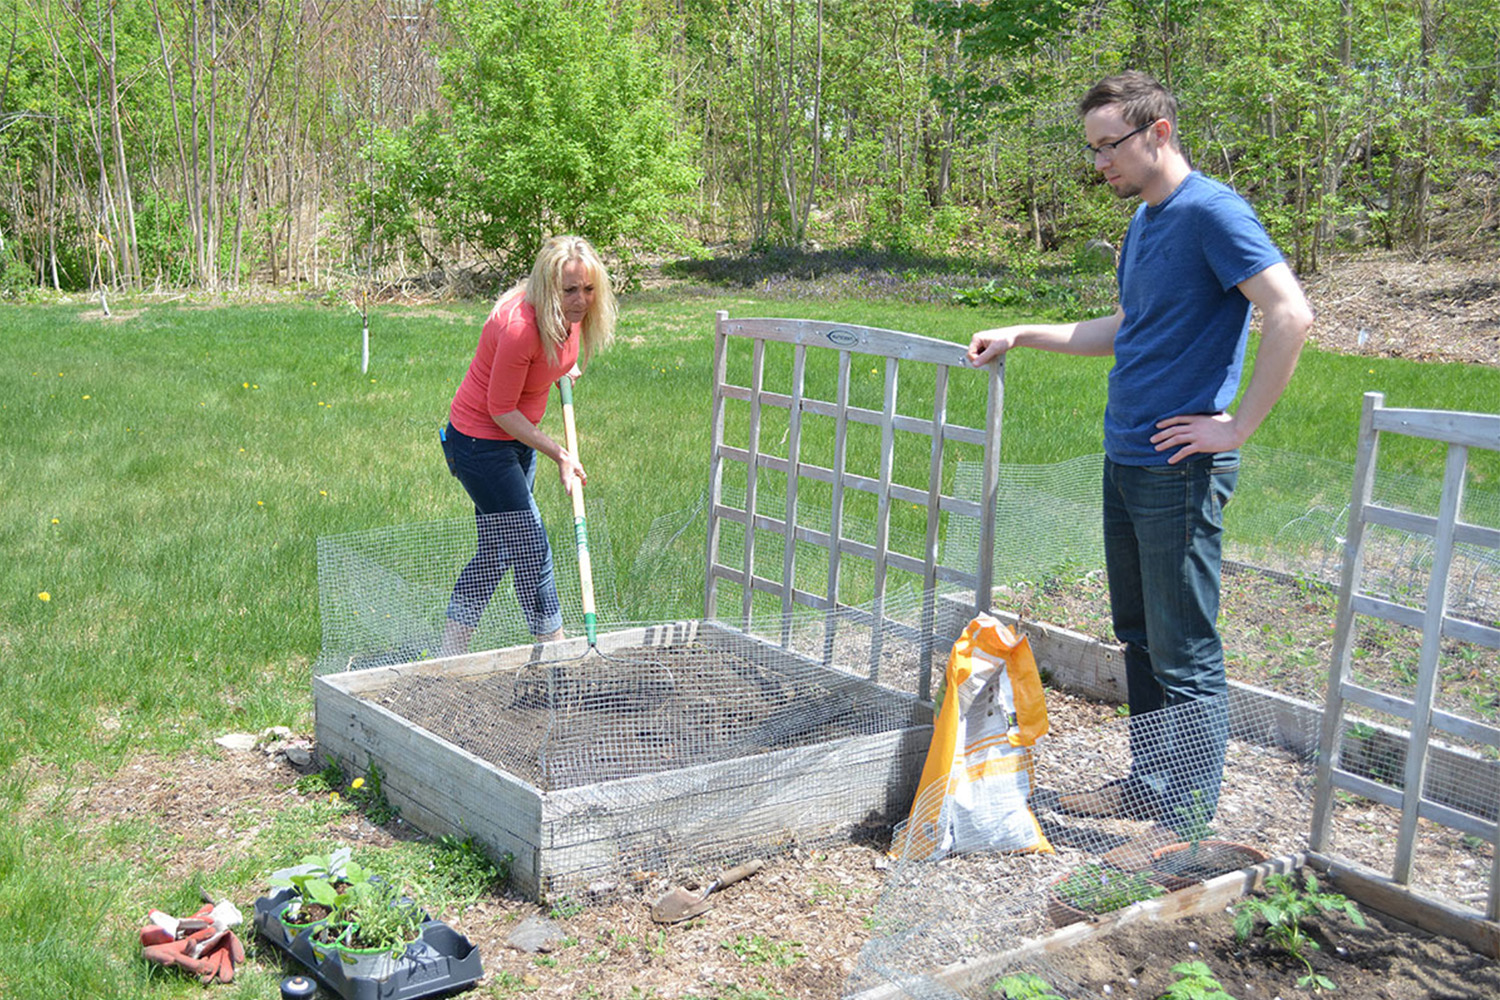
[1118,799]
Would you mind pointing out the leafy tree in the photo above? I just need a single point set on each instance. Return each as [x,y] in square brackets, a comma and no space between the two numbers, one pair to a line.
[556,121]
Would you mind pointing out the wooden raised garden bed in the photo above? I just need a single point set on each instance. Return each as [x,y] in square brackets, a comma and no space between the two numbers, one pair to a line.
[574,815]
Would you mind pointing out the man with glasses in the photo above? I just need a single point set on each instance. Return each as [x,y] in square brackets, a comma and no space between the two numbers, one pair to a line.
[1194,261]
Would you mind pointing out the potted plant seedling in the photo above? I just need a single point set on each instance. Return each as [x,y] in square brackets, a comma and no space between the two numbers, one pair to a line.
[312,906]
[1092,889]
[319,885]
[1200,855]
[380,923]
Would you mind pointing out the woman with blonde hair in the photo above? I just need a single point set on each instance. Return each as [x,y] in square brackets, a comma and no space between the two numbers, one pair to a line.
[543,329]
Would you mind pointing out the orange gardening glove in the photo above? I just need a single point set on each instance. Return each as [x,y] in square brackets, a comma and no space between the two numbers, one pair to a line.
[197,944]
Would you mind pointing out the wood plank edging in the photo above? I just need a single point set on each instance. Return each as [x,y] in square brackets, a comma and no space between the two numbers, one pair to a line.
[1206,897]
[1379,892]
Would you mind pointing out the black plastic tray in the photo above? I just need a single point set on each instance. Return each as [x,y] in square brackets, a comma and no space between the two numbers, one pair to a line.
[440,961]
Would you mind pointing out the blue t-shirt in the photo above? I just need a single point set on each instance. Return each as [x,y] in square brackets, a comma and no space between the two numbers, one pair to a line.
[1181,345]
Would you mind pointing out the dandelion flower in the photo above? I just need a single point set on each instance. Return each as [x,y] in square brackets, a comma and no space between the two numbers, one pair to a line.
[357,783]
[87,396]
[322,493]
[260,503]
[244,385]
[333,796]
[44,597]
[56,521]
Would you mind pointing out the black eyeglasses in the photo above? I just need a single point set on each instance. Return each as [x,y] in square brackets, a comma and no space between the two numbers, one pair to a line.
[1108,149]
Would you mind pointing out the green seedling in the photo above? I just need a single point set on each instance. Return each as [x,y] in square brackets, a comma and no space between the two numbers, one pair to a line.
[565,908]
[1097,889]
[1284,908]
[1195,819]
[760,950]
[1025,986]
[1195,981]
[381,916]
[314,886]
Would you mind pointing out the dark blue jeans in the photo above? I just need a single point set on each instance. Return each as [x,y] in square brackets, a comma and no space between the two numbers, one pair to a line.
[1163,543]
[498,477]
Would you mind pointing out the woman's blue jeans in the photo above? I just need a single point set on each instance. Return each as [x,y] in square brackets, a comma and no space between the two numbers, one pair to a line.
[1163,543]
[498,477]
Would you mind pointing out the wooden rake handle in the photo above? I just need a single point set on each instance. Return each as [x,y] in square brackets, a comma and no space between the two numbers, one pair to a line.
[580,518]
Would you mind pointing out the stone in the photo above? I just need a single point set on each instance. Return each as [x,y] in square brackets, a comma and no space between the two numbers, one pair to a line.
[535,934]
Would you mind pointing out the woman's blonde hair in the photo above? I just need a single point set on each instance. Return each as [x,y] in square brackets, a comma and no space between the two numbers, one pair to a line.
[544,292]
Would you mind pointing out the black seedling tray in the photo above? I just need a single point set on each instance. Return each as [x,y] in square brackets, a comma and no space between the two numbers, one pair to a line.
[440,961]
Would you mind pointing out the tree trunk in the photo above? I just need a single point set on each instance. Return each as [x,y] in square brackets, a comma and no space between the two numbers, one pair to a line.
[129,248]
[188,179]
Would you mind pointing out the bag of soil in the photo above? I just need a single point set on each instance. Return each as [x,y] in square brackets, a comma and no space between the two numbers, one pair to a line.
[977,780]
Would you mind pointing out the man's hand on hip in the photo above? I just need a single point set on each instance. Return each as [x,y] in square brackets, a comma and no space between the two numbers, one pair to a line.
[1196,434]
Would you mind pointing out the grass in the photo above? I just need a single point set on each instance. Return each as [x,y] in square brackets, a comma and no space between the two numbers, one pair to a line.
[167,476]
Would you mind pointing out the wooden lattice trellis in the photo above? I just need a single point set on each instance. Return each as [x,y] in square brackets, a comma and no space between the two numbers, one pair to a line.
[948,360]
[1460,432]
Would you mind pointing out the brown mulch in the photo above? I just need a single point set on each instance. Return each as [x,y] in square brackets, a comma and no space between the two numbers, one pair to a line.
[1391,306]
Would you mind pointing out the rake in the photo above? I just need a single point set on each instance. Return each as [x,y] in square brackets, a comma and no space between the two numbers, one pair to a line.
[568,683]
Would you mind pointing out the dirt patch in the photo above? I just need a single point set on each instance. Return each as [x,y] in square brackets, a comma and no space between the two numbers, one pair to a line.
[1386,960]
[656,709]
[114,315]
[1392,306]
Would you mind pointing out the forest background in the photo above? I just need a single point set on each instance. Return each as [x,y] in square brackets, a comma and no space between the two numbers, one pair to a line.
[216,144]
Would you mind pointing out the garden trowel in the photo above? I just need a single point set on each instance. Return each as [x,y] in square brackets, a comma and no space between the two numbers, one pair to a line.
[681,903]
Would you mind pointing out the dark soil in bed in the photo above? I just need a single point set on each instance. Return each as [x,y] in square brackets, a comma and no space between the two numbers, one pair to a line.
[1386,960]
[641,710]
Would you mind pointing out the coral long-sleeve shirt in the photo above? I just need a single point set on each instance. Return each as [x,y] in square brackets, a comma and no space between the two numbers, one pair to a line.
[510,371]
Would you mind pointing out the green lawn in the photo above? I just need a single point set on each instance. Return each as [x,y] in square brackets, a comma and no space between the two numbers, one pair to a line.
[167,473]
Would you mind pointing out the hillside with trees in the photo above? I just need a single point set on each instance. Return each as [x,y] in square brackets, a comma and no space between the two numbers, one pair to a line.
[221,143]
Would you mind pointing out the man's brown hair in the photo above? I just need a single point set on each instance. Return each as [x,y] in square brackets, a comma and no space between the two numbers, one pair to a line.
[1141,98]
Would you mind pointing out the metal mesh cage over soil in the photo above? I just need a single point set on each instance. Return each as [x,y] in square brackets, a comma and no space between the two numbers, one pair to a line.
[666,747]
[645,711]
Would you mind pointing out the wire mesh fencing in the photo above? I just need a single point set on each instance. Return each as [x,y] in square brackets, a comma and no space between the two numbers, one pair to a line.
[679,740]
[1192,791]
[661,747]
[956,924]
[387,595]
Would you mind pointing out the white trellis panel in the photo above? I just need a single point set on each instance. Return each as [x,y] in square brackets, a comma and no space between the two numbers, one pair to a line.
[1460,432]
[921,486]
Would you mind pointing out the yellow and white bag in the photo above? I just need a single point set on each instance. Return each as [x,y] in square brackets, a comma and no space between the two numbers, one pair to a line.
[977,781]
